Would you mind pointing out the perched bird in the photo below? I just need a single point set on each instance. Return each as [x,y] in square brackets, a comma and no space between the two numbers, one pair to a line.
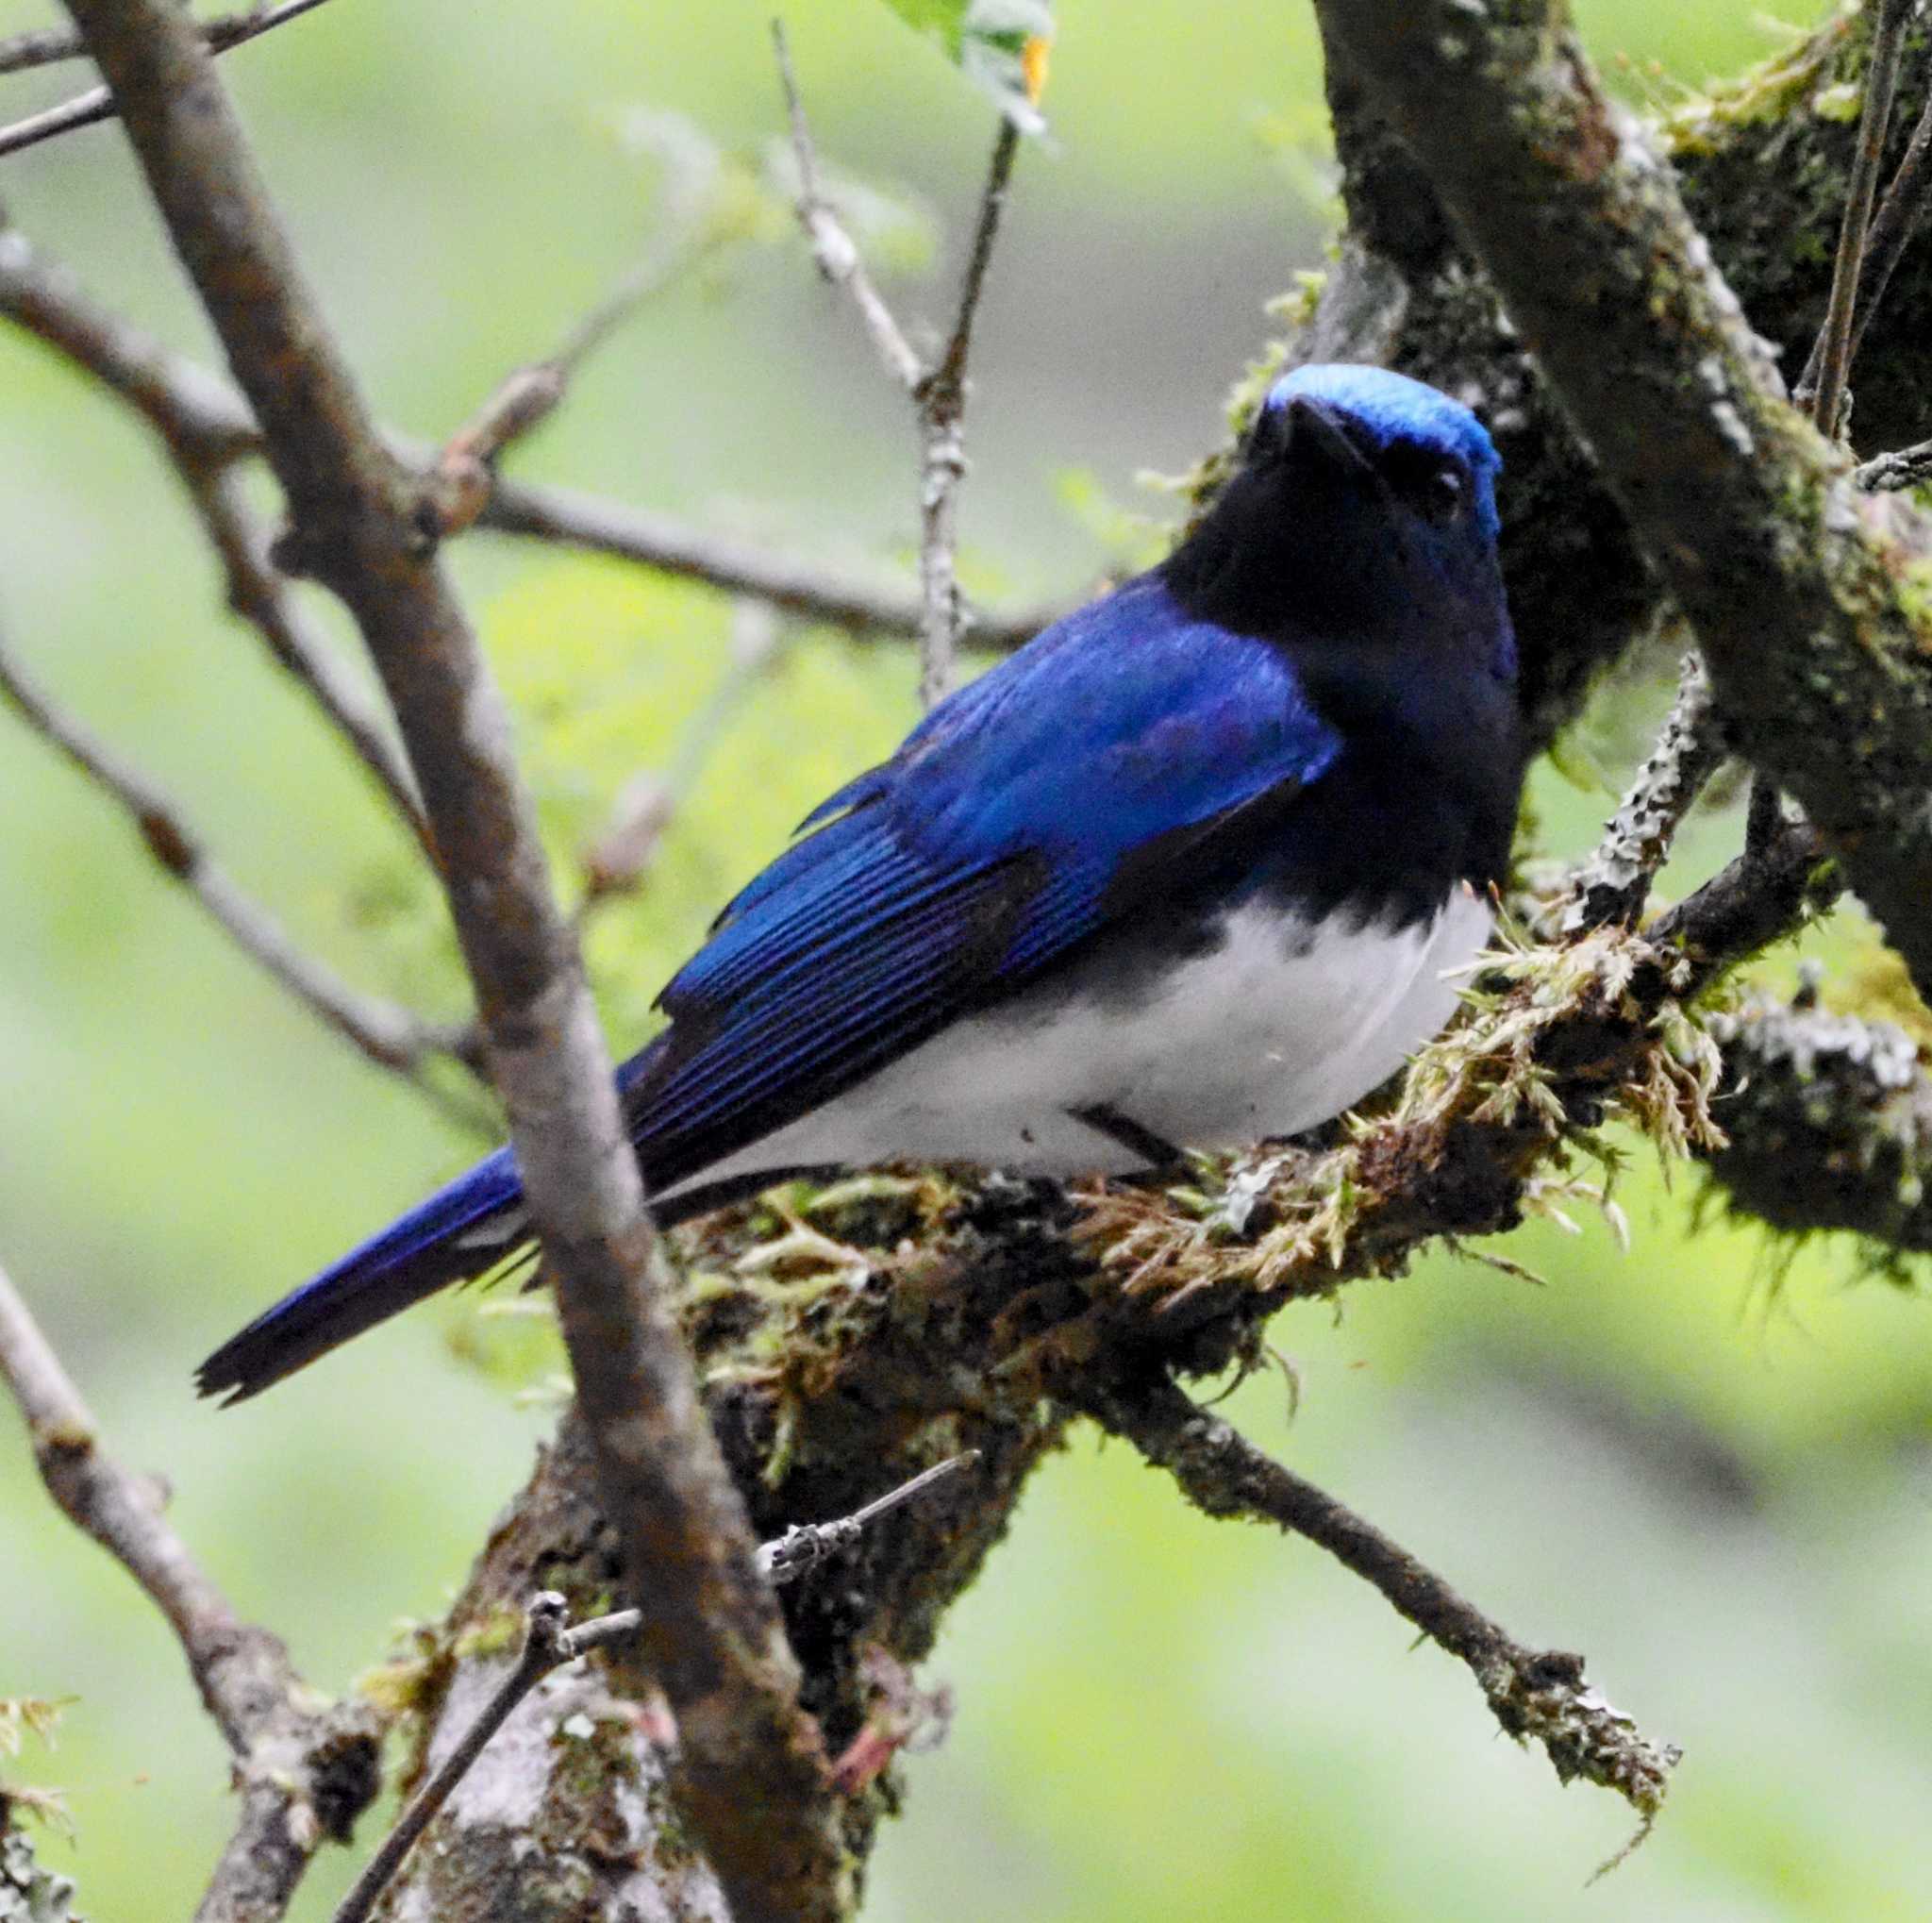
[1187,871]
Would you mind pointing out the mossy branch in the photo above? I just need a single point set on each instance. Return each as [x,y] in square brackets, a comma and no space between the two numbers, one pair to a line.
[1828,1122]
[1799,587]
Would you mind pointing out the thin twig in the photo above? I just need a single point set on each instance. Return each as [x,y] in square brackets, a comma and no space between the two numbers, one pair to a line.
[49,45]
[617,859]
[1892,227]
[1908,467]
[186,405]
[261,594]
[529,394]
[97,103]
[204,426]
[1824,388]
[549,1642]
[303,1774]
[387,1035]
[832,247]
[938,392]
[941,397]
[750,1768]
[805,1545]
[1614,883]
[815,592]
[1533,1693]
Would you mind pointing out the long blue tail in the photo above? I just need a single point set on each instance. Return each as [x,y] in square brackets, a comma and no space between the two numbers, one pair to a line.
[463,1231]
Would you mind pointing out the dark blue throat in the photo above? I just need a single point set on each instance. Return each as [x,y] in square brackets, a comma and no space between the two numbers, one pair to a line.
[1399,633]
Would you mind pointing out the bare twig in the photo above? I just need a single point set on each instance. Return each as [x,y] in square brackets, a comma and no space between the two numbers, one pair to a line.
[47,46]
[1833,352]
[303,1773]
[805,1545]
[810,589]
[1614,883]
[751,1772]
[261,594]
[832,247]
[1533,1693]
[1897,220]
[617,859]
[1823,385]
[206,429]
[1906,467]
[97,103]
[549,1642]
[941,397]
[939,391]
[527,396]
[191,407]
[388,1035]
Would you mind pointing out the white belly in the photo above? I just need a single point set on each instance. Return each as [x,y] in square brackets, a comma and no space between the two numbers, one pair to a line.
[1280,1027]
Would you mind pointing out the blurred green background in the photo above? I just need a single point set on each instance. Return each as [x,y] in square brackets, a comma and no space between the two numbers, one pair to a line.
[1723,1496]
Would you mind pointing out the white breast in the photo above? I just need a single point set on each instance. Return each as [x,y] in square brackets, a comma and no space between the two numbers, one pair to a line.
[1281,1026]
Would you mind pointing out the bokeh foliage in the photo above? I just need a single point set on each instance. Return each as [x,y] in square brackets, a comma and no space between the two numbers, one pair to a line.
[1718,1490]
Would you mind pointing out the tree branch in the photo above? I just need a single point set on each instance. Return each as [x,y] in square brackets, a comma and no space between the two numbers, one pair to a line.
[752,1769]
[97,103]
[188,404]
[941,398]
[549,1642]
[1614,883]
[938,392]
[1832,355]
[206,430]
[1823,386]
[834,250]
[528,396]
[1534,1694]
[1905,467]
[390,1036]
[1817,659]
[303,1773]
[1828,1124]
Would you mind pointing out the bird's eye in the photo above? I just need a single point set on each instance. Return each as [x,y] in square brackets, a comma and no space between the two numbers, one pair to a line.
[1444,493]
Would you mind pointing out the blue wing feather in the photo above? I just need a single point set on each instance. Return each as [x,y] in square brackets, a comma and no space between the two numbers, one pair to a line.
[1070,786]
[990,847]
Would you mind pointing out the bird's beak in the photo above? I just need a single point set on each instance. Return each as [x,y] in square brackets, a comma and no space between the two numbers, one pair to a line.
[1320,430]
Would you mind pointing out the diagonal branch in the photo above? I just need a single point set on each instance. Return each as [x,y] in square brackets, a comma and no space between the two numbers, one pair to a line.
[1817,653]
[261,594]
[528,396]
[941,397]
[751,1772]
[197,410]
[834,250]
[303,1773]
[1823,386]
[97,103]
[206,429]
[1534,1694]
[390,1036]
[938,392]
[1614,883]
[551,1640]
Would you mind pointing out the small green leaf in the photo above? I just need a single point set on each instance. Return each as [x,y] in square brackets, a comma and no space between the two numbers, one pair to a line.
[999,45]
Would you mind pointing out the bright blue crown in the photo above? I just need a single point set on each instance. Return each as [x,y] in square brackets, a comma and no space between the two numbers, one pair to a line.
[1392,408]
